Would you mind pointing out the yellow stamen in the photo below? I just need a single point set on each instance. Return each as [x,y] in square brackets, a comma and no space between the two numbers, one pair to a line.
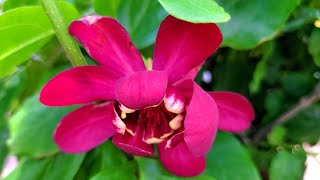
[123,115]
[175,123]
[130,131]
[125,109]
[166,135]
[153,140]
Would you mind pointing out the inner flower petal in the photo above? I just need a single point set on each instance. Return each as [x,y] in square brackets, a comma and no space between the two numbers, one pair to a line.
[142,89]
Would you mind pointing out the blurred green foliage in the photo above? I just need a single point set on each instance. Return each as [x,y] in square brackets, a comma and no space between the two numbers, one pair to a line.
[270,53]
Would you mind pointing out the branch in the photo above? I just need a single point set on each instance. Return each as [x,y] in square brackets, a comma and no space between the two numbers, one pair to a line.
[61,29]
[303,103]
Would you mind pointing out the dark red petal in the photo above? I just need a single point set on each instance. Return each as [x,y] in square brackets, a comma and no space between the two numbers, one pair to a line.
[85,128]
[108,43]
[180,161]
[201,121]
[235,111]
[142,89]
[182,46]
[133,144]
[80,85]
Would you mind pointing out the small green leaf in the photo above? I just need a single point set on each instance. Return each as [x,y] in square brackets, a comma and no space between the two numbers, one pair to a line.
[261,68]
[31,128]
[314,49]
[286,165]
[228,159]
[204,11]
[255,22]
[277,136]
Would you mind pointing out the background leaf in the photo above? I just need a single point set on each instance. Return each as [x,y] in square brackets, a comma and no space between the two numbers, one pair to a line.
[31,128]
[286,165]
[314,46]
[60,166]
[264,18]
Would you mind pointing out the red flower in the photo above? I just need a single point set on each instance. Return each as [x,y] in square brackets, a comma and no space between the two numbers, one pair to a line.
[140,107]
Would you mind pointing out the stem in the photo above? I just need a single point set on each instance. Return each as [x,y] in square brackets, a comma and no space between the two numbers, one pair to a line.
[303,103]
[61,29]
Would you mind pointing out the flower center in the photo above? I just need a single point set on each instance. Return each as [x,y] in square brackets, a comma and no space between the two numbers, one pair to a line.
[153,124]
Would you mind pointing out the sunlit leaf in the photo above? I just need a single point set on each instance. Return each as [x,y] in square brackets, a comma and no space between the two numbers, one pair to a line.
[204,11]
[23,31]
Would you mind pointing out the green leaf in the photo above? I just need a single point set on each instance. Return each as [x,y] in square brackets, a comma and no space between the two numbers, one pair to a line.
[228,159]
[141,18]
[10,90]
[255,22]
[286,165]
[261,68]
[305,126]
[277,136]
[233,72]
[205,11]
[61,166]
[3,147]
[314,49]
[126,171]
[298,83]
[11,4]
[24,31]
[151,169]
[101,158]
[31,128]
[107,8]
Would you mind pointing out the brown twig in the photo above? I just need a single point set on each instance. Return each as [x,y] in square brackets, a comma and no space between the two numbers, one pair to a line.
[302,104]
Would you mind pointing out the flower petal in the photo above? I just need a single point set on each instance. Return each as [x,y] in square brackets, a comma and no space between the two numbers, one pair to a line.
[201,121]
[133,144]
[85,128]
[142,89]
[80,85]
[180,161]
[235,111]
[182,46]
[108,43]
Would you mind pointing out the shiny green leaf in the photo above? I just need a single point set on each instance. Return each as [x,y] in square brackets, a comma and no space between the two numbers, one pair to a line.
[24,31]
[254,22]
[204,11]
[228,159]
